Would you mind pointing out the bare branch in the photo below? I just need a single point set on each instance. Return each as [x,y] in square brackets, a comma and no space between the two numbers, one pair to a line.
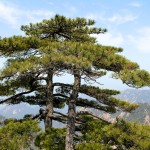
[88,113]
[15,96]
[60,114]
[62,84]
[61,95]
[38,116]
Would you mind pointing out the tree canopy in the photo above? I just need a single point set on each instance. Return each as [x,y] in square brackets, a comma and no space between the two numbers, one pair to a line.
[57,46]
[17,134]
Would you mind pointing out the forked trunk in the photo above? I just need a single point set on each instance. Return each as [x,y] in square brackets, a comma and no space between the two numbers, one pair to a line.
[49,101]
[70,133]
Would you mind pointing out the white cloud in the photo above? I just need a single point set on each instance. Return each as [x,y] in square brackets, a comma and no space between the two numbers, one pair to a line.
[8,13]
[119,19]
[73,9]
[141,41]
[135,4]
[51,3]
[110,39]
[36,15]
[14,112]
[13,15]
[96,16]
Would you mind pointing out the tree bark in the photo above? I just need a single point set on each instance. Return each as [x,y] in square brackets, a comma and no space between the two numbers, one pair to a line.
[70,131]
[49,101]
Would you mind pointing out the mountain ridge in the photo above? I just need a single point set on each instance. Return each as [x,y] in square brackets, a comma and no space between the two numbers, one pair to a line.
[132,95]
[135,95]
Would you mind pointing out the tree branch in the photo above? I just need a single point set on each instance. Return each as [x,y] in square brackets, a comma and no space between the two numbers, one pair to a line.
[61,95]
[15,96]
[88,113]
[62,84]
[60,114]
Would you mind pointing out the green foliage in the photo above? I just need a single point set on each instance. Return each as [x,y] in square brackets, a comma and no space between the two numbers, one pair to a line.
[64,45]
[123,135]
[138,78]
[92,146]
[51,139]
[94,104]
[17,45]
[129,135]
[17,135]
[60,28]
[9,120]
[104,96]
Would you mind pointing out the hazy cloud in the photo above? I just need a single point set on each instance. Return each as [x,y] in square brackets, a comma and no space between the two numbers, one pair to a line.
[135,4]
[51,3]
[14,112]
[141,40]
[13,15]
[119,18]
[36,15]
[111,39]
[96,16]
[73,9]
[8,13]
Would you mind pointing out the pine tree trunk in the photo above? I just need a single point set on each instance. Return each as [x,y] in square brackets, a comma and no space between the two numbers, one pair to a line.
[70,133]
[49,101]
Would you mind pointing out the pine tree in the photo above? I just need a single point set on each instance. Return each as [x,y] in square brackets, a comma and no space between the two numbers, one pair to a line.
[36,57]
[18,134]
[120,135]
[59,45]
[96,60]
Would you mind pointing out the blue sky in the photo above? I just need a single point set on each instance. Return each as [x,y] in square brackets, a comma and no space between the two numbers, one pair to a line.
[127,22]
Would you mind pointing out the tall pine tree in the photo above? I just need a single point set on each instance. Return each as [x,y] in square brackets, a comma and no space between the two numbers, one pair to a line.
[59,45]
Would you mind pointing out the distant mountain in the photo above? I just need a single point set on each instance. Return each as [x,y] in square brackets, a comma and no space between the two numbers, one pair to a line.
[141,114]
[18,111]
[135,95]
[2,118]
